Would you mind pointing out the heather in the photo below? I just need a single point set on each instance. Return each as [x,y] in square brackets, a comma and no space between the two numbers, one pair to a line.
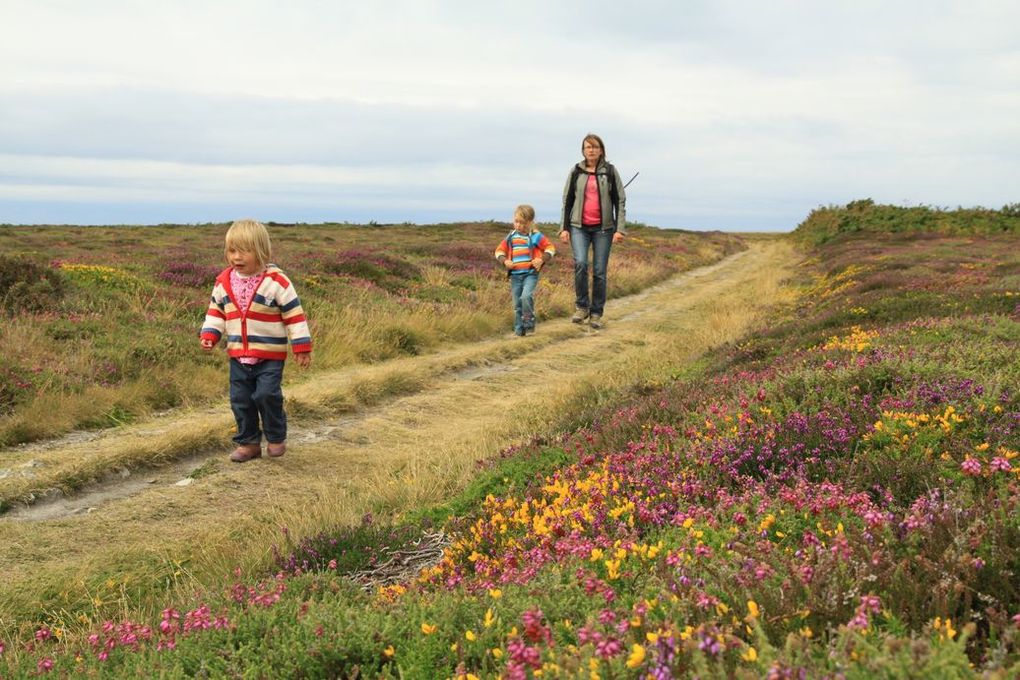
[104,319]
[836,495]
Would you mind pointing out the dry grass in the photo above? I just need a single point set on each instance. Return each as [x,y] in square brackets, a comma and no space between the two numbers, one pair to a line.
[406,452]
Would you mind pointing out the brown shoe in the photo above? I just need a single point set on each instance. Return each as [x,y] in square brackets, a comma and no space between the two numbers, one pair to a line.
[580,314]
[276,450]
[246,452]
[596,321]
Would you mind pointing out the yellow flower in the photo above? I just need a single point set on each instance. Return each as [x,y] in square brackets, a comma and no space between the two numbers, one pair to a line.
[489,618]
[428,628]
[389,652]
[497,653]
[470,636]
[752,610]
[495,593]
[750,655]
[637,656]
[652,637]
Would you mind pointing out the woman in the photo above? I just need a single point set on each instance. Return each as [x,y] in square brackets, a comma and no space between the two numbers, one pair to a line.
[594,216]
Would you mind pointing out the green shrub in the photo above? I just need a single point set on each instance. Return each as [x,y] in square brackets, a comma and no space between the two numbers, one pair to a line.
[28,285]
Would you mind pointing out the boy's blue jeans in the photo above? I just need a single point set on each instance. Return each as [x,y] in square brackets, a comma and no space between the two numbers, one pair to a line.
[522,290]
[256,395]
[599,241]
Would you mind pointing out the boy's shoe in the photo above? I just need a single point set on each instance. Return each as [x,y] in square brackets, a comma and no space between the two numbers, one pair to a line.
[276,450]
[246,452]
[519,333]
[596,321]
[580,314]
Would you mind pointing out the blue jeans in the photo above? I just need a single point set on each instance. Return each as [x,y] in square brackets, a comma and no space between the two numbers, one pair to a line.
[599,241]
[256,395]
[522,290]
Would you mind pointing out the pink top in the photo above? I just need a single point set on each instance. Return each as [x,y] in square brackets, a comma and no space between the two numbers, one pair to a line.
[592,213]
[244,288]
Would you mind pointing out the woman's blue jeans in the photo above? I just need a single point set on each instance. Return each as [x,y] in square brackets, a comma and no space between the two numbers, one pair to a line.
[599,242]
[256,395]
[522,290]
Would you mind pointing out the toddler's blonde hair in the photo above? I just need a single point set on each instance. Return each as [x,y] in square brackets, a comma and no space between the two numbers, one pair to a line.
[250,236]
[525,212]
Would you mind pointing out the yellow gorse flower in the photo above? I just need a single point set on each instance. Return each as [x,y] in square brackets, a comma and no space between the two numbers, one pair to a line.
[636,657]
[752,610]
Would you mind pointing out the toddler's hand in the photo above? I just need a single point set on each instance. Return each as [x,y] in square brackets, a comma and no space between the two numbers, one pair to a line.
[207,344]
[508,263]
[538,263]
[304,359]
[565,236]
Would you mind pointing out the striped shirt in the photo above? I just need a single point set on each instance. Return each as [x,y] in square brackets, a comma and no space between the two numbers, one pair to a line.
[523,248]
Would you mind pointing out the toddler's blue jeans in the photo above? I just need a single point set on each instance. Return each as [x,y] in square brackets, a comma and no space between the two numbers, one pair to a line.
[522,290]
[256,395]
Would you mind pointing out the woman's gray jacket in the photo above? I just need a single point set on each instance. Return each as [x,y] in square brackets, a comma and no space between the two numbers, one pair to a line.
[611,196]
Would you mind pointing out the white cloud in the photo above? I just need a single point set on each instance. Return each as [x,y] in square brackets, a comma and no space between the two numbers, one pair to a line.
[732,111]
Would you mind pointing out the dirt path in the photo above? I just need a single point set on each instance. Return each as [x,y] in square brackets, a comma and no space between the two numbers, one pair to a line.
[470,401]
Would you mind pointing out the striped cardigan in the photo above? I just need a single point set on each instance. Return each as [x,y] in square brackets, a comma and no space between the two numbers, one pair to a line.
[273,315]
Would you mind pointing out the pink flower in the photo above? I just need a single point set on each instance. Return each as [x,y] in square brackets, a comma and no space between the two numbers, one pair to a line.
[1000,464]
[608,648]
[45,665]
[971,467]
[43,634]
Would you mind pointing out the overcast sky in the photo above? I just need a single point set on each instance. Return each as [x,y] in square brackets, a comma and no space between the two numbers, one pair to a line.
[738,115]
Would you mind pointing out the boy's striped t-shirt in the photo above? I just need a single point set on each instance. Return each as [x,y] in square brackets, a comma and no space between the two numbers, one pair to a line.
[523,248]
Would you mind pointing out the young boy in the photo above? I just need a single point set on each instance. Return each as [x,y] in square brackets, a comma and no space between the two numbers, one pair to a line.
[255,307]
[524,252]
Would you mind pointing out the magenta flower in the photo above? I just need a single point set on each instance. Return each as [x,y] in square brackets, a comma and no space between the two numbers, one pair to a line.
[608,648]
[1000,464]
[45,665]
[971,467]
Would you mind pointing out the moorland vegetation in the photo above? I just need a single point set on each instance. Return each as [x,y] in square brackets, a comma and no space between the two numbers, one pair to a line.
[835,495]
[104,319]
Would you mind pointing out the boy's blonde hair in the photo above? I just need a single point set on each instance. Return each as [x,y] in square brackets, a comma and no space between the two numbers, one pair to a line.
[525,212]
[250,236]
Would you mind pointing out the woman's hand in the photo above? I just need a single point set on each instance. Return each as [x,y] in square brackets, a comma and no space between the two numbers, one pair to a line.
[617,237]
[565,236]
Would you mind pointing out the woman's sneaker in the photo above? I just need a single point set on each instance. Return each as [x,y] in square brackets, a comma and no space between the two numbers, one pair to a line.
[580,314]
[596,321]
